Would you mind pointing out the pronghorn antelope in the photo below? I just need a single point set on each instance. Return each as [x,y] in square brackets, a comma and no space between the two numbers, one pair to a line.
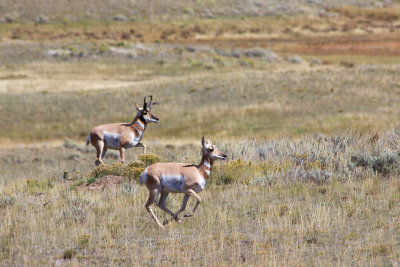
[120,136]
[172,177]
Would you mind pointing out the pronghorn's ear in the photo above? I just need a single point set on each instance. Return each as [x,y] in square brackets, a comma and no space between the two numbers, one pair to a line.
[208,141]
[205,142]
[138,108]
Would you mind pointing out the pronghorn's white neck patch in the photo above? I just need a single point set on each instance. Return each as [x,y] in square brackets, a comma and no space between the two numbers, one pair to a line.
[207,164]
[202,183]
[208,172]
[140,123]
[135,139]
[112,140]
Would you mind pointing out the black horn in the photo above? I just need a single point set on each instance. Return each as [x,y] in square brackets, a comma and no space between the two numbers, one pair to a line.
[144,103]
[151,104]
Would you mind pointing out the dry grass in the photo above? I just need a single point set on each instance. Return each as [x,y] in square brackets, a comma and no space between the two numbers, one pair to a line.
[312,176]
[349,218]
[267,100]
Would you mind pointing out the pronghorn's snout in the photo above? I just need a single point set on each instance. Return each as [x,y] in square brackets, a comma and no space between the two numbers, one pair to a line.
[156,119]
[151,118]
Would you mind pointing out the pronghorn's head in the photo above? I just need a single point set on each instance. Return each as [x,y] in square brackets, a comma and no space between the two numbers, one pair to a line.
[144,112]
[211,150]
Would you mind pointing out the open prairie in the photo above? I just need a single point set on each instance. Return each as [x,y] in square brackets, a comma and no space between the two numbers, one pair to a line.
[302,96]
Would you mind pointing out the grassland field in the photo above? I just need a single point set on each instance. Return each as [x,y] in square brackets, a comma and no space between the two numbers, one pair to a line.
[304,101]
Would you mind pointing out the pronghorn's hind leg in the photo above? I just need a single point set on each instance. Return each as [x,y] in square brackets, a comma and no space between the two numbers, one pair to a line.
[154,187]
[122,154]
[99,145]
[161,205]
[190,192]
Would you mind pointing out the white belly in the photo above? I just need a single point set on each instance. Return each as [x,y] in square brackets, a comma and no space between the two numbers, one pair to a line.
[112,140]
[172,183]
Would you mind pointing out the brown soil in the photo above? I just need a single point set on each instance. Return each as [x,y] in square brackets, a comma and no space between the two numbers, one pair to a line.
[101,183]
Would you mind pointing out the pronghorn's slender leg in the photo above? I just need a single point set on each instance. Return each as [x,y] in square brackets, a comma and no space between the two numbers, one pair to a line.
[99,149]
[161,205]
[103,154]
[142,145]
[184,202]
[152,195]
[193,194]
[122,154]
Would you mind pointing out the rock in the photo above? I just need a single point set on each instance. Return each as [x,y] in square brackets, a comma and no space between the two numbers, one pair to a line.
[58,52]
[42,19]
[270,56]
[190,49]
[9,18]
[315,61]
[294,59]
[236,52]
[120,17]
[255,52]
[222,52]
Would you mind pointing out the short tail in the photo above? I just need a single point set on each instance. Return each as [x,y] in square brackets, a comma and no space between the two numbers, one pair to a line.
[88,140]
[143,177]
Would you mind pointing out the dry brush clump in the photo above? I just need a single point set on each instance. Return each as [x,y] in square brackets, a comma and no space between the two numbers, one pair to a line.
[130,171]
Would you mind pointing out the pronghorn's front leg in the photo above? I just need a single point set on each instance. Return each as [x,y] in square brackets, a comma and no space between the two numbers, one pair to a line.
[142,145]
[190,192]
[176,215]
[122,154]
[103,154]
[184,202]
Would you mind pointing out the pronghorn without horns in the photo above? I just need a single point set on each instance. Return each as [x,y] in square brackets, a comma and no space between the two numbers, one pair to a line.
[120,136]
[172,177]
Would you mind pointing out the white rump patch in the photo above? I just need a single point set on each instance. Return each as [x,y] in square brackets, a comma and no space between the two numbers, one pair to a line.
[143,177]
[112,140]
[172,183]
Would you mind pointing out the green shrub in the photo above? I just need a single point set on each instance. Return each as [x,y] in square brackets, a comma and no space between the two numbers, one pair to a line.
[7,201]
[83,241]
[384,164]
[69,254]
[148,159]
[235,171]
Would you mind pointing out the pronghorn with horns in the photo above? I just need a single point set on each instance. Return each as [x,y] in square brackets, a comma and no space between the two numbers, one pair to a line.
[183,178]
[121,136]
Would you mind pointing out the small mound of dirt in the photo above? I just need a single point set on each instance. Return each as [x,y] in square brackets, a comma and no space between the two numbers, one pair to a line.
[101,183]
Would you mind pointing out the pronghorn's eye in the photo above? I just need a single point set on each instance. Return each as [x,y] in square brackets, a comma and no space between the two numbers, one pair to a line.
[211,149]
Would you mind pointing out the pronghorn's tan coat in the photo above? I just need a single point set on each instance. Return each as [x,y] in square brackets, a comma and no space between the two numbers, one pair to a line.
[121,136]
[183,178]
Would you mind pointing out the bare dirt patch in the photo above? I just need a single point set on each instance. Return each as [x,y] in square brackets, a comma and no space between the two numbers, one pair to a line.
[103,182]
